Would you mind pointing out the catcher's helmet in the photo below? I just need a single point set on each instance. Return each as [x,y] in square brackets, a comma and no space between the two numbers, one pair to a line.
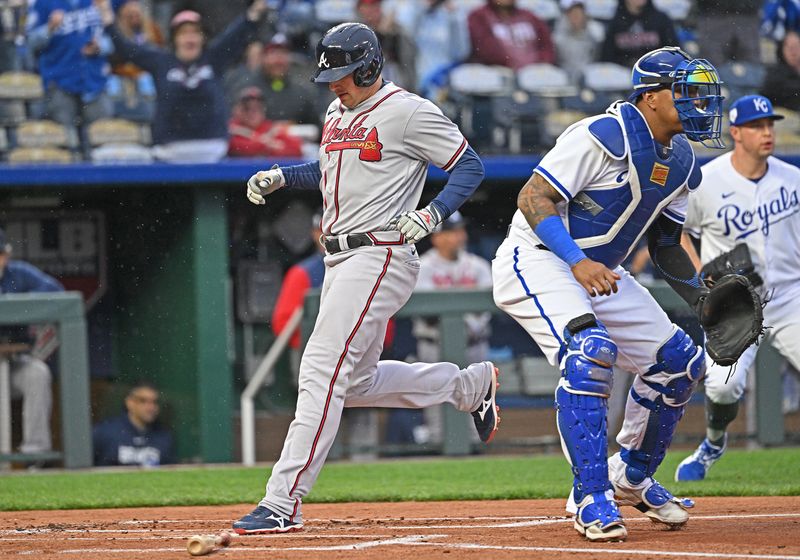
[699,102]
[349,48]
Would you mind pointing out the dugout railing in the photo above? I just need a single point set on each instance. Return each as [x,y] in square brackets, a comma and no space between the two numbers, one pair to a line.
[66,310]
[450,309]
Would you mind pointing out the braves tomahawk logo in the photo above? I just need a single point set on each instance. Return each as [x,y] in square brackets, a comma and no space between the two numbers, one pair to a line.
[353,137]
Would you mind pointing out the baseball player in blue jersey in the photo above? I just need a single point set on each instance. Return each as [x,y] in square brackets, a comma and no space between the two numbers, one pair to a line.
[609,180]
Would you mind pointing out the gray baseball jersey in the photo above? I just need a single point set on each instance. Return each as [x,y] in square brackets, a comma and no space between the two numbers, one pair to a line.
[374,158]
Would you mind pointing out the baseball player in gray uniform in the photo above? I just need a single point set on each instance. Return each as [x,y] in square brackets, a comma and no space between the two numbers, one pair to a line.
[377,142]
[748,199]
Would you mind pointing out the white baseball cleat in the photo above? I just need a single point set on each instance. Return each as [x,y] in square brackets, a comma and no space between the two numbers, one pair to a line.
[648,496]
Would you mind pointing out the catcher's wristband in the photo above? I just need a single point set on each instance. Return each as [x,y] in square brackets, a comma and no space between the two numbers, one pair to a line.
[555,236]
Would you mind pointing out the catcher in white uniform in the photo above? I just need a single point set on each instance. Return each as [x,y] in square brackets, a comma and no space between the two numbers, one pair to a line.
[377,142]
[609,180]
[746,215]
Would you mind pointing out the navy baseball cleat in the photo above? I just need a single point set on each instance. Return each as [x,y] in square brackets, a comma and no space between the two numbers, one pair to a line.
[487,416]
[696,465]
[599,520]
[264,520]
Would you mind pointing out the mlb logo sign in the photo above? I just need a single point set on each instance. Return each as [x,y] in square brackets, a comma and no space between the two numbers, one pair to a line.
[659,174]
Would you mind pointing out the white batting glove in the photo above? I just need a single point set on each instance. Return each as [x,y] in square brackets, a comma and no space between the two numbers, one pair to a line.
[263,183]
[416,224]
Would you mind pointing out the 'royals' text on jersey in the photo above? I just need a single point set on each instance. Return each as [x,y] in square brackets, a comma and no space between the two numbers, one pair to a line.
[374,158]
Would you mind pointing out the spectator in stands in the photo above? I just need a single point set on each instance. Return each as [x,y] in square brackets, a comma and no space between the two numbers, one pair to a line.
[30,376]
[398,48]
[252,135]
[637,27]
[288,97]
[134,437]
[67,38]
[442,41]
[782,84]
[131,88]
[241,75]
[779,17]
[728,30]
[191,118]
[505,35]
[577,38]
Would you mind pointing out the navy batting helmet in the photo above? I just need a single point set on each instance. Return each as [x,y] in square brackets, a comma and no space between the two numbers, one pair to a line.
[697,85]
[349,48]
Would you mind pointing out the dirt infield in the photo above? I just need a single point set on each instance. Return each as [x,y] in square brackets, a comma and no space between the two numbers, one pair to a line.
[719,528]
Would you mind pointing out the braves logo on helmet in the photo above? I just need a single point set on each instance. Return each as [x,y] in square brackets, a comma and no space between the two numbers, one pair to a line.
[349,48]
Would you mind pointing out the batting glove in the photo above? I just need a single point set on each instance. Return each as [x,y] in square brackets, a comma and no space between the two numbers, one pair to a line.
[416,224]
[263,183]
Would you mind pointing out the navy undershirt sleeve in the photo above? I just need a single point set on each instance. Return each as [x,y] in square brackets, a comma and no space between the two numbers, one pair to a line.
[305,176]
[465,176]
[664,242]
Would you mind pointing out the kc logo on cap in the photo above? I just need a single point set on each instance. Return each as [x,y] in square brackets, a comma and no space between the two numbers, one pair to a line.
[750,108]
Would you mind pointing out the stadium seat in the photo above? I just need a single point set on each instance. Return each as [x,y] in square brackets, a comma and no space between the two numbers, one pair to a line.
[547,10]
[677,10]
[601,9]
[545,80]
[518,117]
[20,85]
[47,154]
[607,77]
[38,134]
[122,153]
[335,11]
[104,131]
[557,122]
[480,79]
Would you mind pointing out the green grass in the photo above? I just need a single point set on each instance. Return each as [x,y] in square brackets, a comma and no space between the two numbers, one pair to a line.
[741,473]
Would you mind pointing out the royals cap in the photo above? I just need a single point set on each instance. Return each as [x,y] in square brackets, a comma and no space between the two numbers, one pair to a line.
[750,108]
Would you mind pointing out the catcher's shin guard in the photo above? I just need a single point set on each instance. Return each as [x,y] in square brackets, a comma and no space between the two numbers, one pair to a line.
[581,403]
[681,365]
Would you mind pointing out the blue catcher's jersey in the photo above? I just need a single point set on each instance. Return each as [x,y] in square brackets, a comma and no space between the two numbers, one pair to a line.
[615,183]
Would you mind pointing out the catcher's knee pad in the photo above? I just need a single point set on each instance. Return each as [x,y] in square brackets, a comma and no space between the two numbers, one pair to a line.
[581,402]
[588,358]
[681,365]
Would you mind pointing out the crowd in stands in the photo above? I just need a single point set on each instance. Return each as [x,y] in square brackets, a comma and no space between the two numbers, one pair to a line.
[174,80]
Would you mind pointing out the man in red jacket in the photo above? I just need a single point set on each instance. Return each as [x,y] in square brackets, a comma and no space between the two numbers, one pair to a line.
[505,35]
[252,135]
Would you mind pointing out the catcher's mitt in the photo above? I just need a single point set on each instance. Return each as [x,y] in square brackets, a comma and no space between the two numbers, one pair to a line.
[731,315]
[735,261]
